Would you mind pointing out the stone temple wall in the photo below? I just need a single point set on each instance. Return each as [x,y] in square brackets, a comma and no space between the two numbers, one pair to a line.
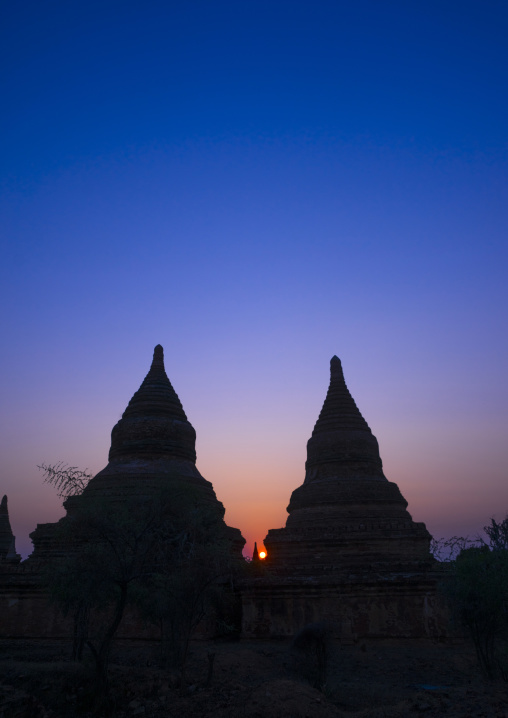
[26,611]
[354,610]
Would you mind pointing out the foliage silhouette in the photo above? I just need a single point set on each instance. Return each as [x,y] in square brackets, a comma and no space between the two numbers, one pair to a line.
[477,590]
[498,534]
[165,556]
[108,550]
[190,569]
[446,550]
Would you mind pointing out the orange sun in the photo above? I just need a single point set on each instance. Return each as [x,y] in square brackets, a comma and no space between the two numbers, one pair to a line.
[262,554]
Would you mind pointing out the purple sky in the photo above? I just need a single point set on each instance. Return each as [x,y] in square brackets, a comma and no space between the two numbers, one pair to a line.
[257,186]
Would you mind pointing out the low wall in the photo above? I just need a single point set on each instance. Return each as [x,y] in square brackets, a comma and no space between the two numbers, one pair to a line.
[26,611]
[393,607]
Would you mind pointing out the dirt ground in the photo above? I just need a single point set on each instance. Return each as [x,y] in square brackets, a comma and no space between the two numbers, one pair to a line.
[254,679]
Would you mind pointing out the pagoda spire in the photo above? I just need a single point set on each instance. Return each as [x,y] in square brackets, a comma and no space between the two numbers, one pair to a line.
[7,539]
[156,394]
[339,409]
[342,444]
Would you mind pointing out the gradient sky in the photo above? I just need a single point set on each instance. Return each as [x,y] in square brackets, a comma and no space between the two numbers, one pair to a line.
[257,186]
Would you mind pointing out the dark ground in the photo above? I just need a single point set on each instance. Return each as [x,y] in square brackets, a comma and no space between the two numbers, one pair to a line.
[254,679]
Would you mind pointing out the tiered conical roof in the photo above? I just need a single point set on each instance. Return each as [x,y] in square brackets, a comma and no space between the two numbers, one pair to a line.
[152,443]
[339,408]
[346,512]
[154,423]
[342,444]
[156,393]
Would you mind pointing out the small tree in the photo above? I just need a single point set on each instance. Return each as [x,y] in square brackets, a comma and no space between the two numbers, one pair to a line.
[478,593]
[167,555]
[498,534]
[69,481]
[109,549]
[446,550]
[190,567]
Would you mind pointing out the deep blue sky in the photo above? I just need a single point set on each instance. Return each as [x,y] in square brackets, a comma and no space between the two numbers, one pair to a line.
[257,186]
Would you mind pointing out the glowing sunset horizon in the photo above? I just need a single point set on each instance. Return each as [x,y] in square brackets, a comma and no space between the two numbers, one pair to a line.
[249,515]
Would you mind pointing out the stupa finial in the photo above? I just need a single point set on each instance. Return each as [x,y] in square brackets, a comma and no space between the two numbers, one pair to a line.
[158,358]
[341,443]
[336,368]
[339,410]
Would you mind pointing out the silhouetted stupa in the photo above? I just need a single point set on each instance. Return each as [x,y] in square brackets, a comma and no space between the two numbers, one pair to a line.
[152,449]
[350,554]
[346,515]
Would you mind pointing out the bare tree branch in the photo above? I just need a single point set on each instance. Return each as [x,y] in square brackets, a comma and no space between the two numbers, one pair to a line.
[67,480]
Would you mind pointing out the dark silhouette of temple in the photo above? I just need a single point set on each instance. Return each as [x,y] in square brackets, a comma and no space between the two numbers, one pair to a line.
[349,554]
[152,450]
[152,458]
[346,515]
